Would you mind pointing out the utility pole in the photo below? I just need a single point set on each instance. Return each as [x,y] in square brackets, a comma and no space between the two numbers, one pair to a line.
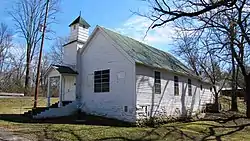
[40,56]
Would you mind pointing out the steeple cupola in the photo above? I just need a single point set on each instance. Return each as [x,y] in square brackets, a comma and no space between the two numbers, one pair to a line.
[79,30]
[79,33]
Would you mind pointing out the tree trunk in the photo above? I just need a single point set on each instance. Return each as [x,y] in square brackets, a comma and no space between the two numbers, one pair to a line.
[216,103]
[27,73]
[247,95]
[27,79]
[234,106]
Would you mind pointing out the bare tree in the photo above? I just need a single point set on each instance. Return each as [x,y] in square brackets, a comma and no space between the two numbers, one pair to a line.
[18,63]
[5,44]
[211,16]
[44,67]
[5,58]
[12,80]
[56,53]
[28,16]
[196,53]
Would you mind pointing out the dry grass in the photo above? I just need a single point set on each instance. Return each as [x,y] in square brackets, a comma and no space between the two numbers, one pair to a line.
[21,105]
[227,128]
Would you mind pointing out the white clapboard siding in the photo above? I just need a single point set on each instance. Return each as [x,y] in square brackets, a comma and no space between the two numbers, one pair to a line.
[79,33]
[83,34]
[167,103]
[69,55]
[100,54]
[78,37]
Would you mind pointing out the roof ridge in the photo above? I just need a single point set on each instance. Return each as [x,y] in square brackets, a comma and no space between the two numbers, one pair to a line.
[149,46]
[162,57]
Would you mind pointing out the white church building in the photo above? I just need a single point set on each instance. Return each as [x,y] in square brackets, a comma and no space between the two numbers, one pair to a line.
[115,76]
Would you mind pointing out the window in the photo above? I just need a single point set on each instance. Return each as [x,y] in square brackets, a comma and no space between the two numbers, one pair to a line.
[189,87]
[176,85]
[125,108]
[147,112]
[211,89]
[74,27]
[201,87]
[157,82]
[101,81]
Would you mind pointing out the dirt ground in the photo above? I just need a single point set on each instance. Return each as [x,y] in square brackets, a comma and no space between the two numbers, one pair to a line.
[10,136]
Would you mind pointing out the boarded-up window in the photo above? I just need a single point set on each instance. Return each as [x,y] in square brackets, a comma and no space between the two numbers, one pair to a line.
[121,75]
[101,81]
[189,87]
[176,85]
[157,82]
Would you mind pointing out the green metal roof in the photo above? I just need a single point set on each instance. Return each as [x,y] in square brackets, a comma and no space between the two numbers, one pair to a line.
[147,55]
[81,21]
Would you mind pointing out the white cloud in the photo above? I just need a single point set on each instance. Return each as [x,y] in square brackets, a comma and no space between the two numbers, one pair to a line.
[137,26]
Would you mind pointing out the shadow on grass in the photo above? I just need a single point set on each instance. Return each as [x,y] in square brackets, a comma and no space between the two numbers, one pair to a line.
[85,120]
[225,126]
[48,132]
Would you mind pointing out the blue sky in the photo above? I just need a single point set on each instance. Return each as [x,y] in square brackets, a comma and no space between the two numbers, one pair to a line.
[108,13]
[112,14]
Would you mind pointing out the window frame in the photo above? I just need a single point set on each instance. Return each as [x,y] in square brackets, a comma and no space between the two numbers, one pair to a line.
[176,86]
[157,83]
[102,78]
[189,87]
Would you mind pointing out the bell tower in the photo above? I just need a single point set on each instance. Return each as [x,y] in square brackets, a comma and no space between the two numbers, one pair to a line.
[79,33]
[79,30]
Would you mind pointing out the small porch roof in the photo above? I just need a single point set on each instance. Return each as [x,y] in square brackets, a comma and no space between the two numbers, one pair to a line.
[64,69]
[61,69]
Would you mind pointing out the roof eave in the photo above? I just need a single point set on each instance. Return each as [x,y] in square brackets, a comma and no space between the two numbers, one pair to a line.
[176,72]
